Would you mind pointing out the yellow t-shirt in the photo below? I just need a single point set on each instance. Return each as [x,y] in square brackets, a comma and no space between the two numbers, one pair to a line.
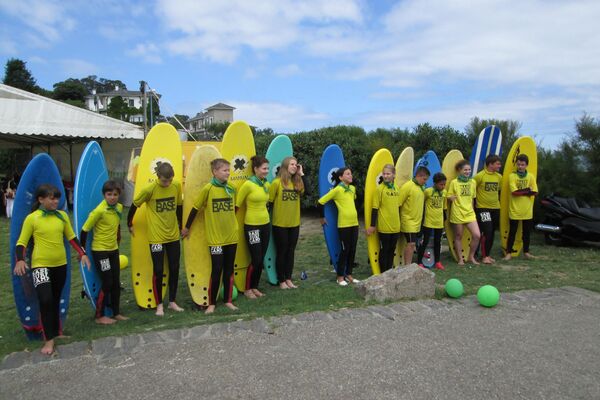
[385,201]
[256,198]
[521,207]
[488,187]
[48,233]
[435,203]
[344,201]
[461,209]
[286,204]
[411,201]
[219,215]
[161,215]
[105,221]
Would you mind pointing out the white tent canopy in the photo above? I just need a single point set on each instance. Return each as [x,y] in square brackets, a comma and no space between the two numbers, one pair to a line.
[29,119]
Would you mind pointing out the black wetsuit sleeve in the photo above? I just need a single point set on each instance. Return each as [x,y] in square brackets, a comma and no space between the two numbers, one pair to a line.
[191,217]
[305,183]
[130,215]
[179,213]
[321,209]
[20,252]
[374,214]
[83,238]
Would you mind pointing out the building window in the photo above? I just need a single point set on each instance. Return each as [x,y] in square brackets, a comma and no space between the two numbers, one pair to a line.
[131,103]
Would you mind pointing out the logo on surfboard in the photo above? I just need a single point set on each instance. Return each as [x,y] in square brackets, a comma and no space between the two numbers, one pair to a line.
[156,163]
[331,176]
[239,162]
[275,170]
[379,179]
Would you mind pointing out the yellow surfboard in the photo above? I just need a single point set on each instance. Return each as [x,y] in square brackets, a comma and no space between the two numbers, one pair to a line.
[448,169]
[196,254]
[238,148]
[374,178]
[161,145]
[523,145]
[404,173]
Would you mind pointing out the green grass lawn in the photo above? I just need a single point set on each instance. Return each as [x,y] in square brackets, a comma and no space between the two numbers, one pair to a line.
[556,266]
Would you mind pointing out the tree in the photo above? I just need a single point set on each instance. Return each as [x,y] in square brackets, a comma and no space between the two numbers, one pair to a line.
[119,109]
[509,128]
[17,75]
[101,85]
[71,89]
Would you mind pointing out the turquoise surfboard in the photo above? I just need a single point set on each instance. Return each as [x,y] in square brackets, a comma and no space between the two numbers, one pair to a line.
[488,142]
[280,148]
[331,160]
[91,175]
[40,170]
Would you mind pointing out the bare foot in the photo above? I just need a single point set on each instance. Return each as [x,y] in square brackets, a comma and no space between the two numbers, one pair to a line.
[173,306]
[487,260]
[120,317]
[210,310]
[473,261]
[250,294]
[105,321]
[493,259]
[529,256]
[461,263]
[258,293]
[283,285]
[507,257]
[48,348]
[231,306]
[291,284]
[160,312]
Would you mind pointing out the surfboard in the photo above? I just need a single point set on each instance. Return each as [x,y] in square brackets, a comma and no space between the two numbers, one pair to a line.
[238,148]
[161,145]
[198,264]
[332,159]
[41,169]
[448,165]
[374,178]
[488,142]
[90,177]
[432,163]
[280,148]
[404,173]
[523,145]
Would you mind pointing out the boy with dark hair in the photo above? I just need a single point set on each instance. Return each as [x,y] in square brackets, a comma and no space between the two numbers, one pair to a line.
[487,204]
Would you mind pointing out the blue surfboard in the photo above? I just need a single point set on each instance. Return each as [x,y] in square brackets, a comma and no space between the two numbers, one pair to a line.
[40,170]
[280,148]
[331,160]
[488,142]
[91,175]
[432,163]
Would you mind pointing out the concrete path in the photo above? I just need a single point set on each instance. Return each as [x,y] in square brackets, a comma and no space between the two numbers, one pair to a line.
[533,345]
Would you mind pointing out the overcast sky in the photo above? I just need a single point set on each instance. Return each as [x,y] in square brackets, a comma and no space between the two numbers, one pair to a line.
[297,65]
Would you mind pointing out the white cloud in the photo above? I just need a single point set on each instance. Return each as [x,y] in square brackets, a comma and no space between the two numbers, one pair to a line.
[532,42]
[220,30]
[279,116]
[48,19]
[148,52]
[75,68]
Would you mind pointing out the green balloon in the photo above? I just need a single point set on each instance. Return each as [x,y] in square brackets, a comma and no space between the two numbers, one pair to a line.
[454,288]
[488,296]
[234,293]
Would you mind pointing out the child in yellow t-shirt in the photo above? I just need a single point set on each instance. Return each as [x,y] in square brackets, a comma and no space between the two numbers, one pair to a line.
[461,193]
[344,195]
[385,217]
[487,207]
[164,208]
[217,199]
[523,189]
[411,201]
[48,227]
[435,201]
[254,193]
[105,221]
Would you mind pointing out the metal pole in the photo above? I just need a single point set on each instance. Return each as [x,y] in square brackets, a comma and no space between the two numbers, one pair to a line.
[144,106]
[151,113]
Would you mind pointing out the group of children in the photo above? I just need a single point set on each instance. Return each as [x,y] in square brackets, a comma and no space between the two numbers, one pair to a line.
[411,210]
[405,210]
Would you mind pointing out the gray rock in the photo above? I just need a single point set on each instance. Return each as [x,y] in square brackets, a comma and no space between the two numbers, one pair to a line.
[411,282]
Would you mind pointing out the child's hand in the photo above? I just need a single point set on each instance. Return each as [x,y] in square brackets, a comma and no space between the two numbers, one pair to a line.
[452,198]
[20,268]
[131,230]
[86,261]
[300,170]
[323,221]
[370,230]
[185,232]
